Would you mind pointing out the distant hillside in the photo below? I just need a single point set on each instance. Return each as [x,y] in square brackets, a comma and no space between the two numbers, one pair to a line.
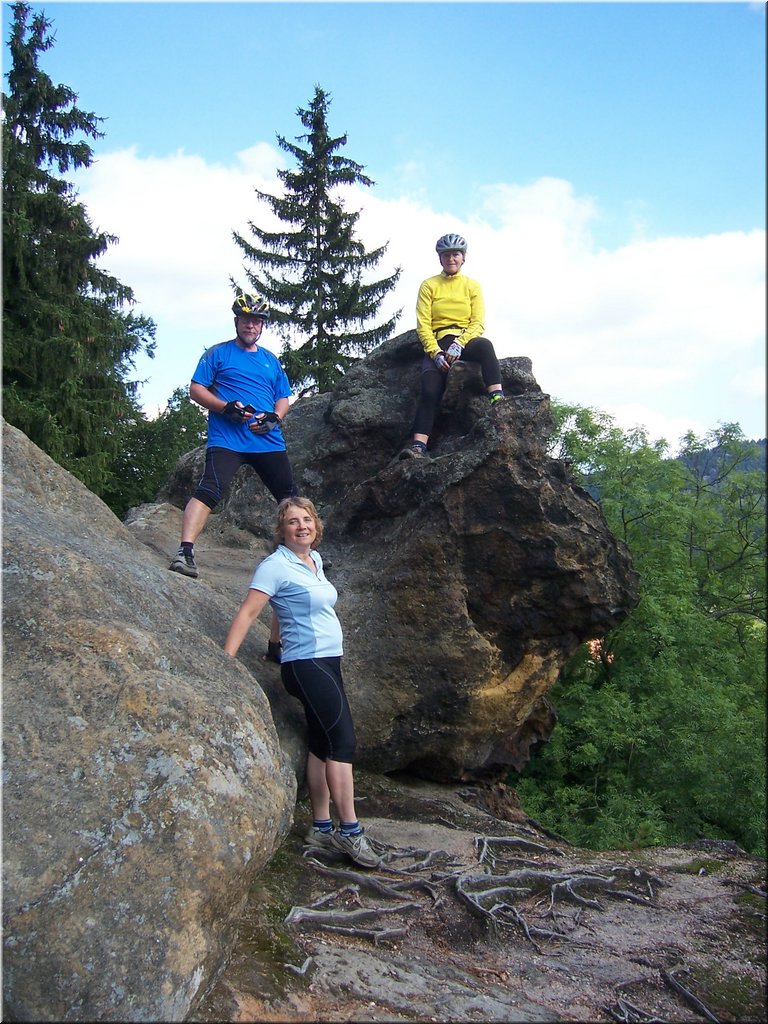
[710,464]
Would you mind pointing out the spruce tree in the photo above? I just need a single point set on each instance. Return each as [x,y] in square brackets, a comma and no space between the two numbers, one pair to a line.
[313,275]
[69,338]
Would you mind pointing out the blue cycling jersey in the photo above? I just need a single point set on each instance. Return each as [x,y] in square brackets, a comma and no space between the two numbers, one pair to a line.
[251,376]
[303,602]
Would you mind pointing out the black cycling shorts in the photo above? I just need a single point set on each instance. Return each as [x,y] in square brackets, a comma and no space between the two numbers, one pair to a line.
[318,684]
[221,464]
[433,380]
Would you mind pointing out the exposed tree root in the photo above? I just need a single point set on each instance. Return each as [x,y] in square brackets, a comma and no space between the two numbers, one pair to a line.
[300,970]
[754,889]
[334,918]
[483,844]
[375,885]
[690,998]
[376,935]
[521,898]
[493,896]
[627,1013]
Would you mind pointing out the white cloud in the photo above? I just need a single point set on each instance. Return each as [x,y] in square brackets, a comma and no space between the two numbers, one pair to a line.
[174,218]
[667,333]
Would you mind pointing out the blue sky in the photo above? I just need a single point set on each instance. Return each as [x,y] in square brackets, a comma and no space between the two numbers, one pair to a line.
[606,162]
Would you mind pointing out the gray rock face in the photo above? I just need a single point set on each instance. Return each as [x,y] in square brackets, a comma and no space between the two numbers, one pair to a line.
[466,582]
[144,785]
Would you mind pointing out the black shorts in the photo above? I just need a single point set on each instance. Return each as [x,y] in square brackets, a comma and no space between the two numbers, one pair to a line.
[318,684]
[221,464]
[433,381]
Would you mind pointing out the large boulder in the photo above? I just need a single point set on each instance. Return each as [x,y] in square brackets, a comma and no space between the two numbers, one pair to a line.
[144,784]
[149,779]
[466,582]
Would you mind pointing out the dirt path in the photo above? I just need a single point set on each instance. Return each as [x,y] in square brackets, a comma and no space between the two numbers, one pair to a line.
[692,913]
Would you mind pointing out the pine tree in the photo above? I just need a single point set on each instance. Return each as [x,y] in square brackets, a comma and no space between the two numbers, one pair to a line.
[68,343]
[313,275]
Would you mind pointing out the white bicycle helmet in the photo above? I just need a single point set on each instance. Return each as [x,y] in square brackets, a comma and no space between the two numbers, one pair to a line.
[447,243]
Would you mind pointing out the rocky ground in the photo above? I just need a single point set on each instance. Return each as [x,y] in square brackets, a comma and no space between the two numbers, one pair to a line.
[634,936]
[648,935]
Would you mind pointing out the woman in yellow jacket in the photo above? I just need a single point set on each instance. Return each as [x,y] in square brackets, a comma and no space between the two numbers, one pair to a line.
[449,322]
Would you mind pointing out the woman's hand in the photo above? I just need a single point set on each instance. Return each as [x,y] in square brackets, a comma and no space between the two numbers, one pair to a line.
[453,352]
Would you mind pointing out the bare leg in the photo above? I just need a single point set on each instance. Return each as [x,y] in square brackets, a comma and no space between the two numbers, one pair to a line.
[319,793]
[342,787]
[331,780]
[195,517]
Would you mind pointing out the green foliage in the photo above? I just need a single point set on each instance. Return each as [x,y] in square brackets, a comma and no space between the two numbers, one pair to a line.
[150,451]
[314,276]
[68,343]
[661,732]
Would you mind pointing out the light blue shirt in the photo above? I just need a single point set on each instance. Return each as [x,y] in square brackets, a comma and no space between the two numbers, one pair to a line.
[303,602]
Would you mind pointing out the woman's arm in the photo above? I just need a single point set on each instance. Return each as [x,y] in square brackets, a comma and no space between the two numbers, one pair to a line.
[424,319]
[244,619]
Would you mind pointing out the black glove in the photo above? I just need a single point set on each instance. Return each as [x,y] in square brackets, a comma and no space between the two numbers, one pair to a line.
[234,411]
[274,651]
[263,422]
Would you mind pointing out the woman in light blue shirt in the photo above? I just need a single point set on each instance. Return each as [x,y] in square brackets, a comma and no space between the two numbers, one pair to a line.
[293,582]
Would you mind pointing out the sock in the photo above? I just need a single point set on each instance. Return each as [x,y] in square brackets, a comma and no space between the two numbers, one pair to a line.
[350,828]
[324,825]
[495,396]
[187,547]
[419,444]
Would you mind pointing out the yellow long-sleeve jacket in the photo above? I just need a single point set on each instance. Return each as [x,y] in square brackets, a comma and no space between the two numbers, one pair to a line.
[449,304]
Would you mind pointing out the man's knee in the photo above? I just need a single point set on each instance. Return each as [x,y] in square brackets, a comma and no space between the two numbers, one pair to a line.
[208,498]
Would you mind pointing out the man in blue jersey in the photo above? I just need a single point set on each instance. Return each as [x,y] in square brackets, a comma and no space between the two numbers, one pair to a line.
[246,392]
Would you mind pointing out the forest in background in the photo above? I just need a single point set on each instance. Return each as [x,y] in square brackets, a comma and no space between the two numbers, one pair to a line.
[661,732]
[662,724]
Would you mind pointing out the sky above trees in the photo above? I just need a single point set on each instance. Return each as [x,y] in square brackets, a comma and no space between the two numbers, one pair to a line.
[606,163]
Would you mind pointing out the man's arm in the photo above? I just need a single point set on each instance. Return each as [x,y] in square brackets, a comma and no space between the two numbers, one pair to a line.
[205,397]
[282,405]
